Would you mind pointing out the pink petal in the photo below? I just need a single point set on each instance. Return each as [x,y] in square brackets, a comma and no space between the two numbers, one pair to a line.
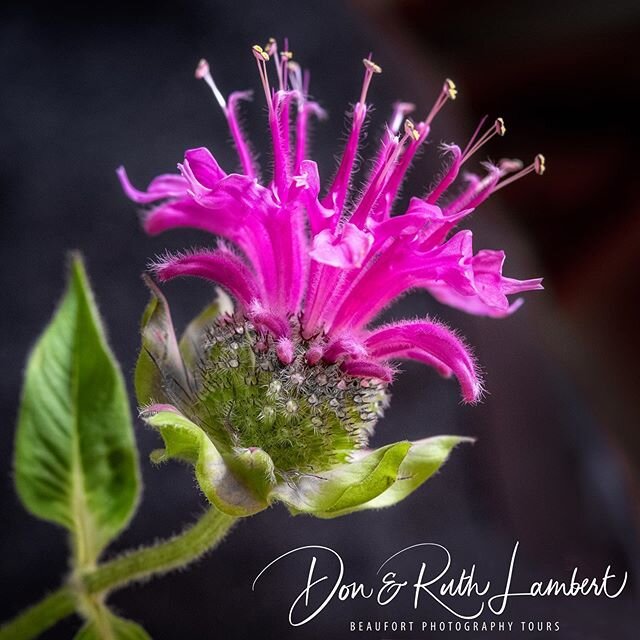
[490,288]
[202,168]
[219,266]
[344,347]
[346,249]
[164,186]
[368,369]
[411,339]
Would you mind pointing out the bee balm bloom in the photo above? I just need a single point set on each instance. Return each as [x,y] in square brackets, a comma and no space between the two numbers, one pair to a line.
[274,397]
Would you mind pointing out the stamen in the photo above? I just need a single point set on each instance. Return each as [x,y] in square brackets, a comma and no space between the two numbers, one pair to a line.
[203,72]
[285,57]
[295,77]
[538,165]
[272,50]
[262,57]
[497,129]
[271,47]
[449,92]
[370,68]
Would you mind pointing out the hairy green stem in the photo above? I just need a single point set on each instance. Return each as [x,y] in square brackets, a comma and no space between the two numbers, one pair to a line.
[160,558]
[39,617]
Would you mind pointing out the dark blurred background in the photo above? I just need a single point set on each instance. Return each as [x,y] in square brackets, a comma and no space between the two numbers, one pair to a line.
[557,462]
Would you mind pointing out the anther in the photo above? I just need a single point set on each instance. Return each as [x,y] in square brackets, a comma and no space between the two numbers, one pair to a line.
[370,65]
[370,68]
[537,166]
[260,53]
[410,129]
[497,129]
[450,88]
[448,92]
[262,57]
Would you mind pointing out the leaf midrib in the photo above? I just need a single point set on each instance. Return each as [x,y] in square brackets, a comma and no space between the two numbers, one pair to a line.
[84,544]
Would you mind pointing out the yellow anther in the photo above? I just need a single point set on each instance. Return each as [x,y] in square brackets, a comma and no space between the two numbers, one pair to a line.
[259,52]
[450,89]
[499,126]
[286,55]
[371,65]
[538,164]
[410,129]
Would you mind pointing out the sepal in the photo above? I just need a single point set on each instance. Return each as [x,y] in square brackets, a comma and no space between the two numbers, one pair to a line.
[242,482]
[159,358]
[237,487]
[377,479]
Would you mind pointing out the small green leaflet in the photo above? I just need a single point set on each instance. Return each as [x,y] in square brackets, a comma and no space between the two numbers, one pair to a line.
[108,626]
[75,457]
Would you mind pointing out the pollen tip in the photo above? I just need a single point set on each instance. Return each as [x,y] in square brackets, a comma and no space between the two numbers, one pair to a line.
[370,65]
[410,129]
[450,88]
[202,69]
[500,127]
[260,53]
[286,55]
[539,164]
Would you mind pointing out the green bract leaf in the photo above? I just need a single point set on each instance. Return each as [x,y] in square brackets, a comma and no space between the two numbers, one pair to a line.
[423,459]
[346,487]
[239,493]
[108,626]
[159,357]
[75,458]
[380,478]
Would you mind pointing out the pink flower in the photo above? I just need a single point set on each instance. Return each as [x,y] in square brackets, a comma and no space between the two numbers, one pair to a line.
[315,268]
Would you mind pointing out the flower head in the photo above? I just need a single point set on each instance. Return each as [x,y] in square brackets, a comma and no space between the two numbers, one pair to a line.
[291,379]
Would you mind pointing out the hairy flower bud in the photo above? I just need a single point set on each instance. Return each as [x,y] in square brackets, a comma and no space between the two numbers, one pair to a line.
[307,418]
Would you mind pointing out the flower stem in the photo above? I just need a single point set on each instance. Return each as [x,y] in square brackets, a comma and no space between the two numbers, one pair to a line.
[160,558]
[39,617]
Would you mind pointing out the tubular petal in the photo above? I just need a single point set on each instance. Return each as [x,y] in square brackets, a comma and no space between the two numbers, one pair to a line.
[410,339]
[221,267]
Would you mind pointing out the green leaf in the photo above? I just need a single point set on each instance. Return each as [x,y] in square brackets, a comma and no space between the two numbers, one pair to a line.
[159,364]
[233,491]
[75,457]
[108,626]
